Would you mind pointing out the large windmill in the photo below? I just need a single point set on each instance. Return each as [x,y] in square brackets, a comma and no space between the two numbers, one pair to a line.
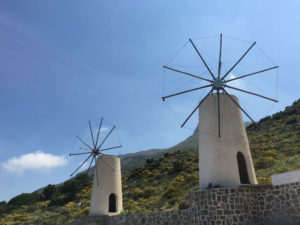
[218,83]
[224,154]
[107,191]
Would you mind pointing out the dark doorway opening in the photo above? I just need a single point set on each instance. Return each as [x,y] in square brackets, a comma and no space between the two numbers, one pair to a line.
[112,207]
[244,178]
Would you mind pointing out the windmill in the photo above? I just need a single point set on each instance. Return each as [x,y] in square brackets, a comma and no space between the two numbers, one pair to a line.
[218,83]
[224,154]
[107,191]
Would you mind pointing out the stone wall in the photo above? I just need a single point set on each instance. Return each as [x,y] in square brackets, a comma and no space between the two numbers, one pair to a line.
[224,206]
[279,204]
[246,205]
[181,217]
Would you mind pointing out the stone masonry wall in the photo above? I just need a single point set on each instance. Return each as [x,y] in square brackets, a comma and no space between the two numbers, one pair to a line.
[279,204]
[224,206]
[246,205]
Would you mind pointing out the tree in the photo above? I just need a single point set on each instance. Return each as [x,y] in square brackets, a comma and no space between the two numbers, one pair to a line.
[83,180]
[23,199]
[3,207]
[49,191]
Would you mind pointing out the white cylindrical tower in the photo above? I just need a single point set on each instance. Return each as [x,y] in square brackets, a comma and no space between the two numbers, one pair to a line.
[107,192]
[226,160]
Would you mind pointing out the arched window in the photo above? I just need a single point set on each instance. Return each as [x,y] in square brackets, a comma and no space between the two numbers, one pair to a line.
[112,206]
[244,178]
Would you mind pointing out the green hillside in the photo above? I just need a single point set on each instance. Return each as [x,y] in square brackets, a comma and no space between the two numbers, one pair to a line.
[275,142]
[134,160]
[164,182]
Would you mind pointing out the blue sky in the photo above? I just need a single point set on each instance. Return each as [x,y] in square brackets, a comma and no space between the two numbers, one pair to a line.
[65,62]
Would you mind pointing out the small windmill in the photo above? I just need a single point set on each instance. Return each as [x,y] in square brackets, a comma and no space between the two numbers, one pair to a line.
[106,196]
[223,160]
[95,149]
[218,83]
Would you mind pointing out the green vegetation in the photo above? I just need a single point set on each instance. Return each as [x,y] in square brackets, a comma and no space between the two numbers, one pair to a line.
[162,182]
[275,143]
[55,205]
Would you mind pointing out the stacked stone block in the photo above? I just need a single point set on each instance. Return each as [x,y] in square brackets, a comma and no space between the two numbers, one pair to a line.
[246,205]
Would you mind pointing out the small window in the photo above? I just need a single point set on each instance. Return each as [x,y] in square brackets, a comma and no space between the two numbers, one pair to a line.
[244,178]
[112,203]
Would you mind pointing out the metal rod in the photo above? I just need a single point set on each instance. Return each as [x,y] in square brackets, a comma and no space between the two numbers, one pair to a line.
[82,164]
[84,149]
[238,61]
[250,74]
[196,108]
[84,143]
[106,137]
[251,93]
[219,118]
[107,163]
[183,92]
[99,129]
[90,165]
[238,105]
[79,153]
[105,149]
[189,74]
[96,171]
[92,133]
[220,55]
[202,59]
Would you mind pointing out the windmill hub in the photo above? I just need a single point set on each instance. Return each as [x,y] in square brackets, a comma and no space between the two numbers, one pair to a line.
[218,83]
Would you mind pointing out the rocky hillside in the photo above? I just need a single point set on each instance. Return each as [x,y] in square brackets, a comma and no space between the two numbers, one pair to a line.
[165,179]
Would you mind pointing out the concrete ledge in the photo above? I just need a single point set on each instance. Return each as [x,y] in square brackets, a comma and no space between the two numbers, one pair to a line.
[285,178]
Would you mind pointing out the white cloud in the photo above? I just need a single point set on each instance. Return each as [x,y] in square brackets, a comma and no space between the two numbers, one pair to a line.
[34,161]
[95,131]
[103,129]
[236,83]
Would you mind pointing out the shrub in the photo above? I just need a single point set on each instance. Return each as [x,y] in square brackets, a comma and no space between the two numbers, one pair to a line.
[23,199]
[278,115]
[70,187]
[183,205]
[264,162]
[173,201]
[291,121]
[172,192]
[85,211]
[149,161]
[148,191]
[177,167]
[135,173]
[265,119]
[48,192]
[147,173]
[179,179]
[264,180]
[58,200]
[3,207]
[272,153]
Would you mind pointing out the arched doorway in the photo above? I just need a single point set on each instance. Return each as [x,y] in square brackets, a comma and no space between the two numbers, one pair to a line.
[244,178]
[112,207]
